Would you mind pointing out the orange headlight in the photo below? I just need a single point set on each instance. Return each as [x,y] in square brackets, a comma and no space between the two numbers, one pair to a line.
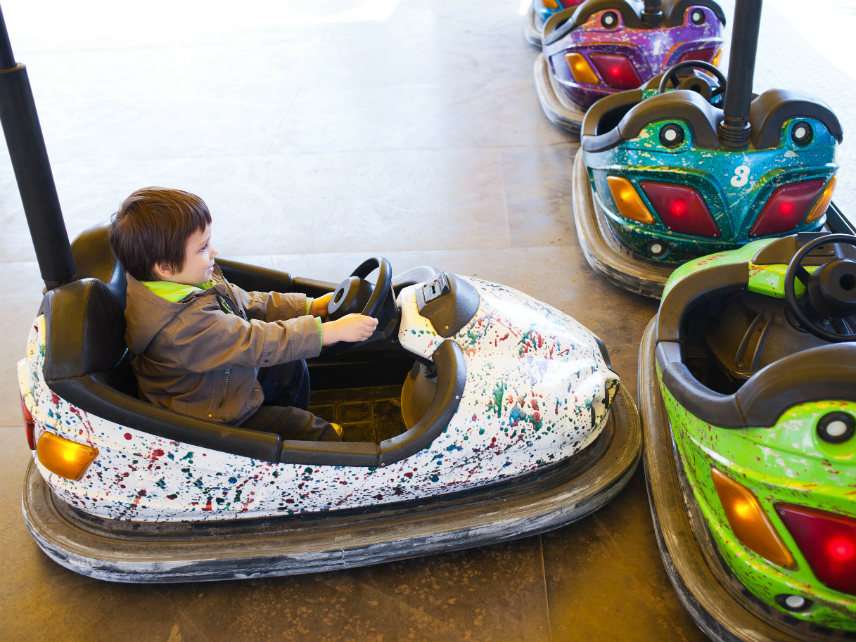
[580,69]
[64,457]
[748,521]
[716,58]
[627,200]
[819,208]
[551,4]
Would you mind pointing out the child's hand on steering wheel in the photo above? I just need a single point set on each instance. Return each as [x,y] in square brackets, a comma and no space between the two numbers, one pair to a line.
[319,305]
[350,328]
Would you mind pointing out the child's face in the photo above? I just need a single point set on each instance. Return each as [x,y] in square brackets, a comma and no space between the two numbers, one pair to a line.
[198,260]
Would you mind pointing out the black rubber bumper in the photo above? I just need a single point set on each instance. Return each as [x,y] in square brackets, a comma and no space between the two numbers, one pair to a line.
[561,114]
[604,253]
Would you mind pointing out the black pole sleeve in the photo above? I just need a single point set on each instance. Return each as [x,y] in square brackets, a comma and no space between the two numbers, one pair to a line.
[652,12]
[7,58]
[35,179]
[652,6]
[734,129]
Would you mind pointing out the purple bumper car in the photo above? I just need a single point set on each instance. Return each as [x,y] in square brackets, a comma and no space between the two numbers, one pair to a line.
[606,46]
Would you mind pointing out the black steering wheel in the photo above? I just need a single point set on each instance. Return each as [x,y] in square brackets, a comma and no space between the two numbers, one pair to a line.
[356,295]
[694,82]
[830,291]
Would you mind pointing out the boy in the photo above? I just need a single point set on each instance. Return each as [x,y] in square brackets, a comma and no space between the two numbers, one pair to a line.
[206,348]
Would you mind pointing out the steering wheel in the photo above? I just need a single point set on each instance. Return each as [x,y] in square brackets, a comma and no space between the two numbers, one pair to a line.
[830,291]
[356,295]
[694,82]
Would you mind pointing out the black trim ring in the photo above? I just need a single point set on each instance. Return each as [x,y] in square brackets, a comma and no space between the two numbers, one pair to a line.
[609,20]
[671,135]
[823,427]
[802,133]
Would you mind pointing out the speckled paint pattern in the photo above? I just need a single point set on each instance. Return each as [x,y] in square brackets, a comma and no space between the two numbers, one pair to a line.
[734,185]
[537,392]
[649,50]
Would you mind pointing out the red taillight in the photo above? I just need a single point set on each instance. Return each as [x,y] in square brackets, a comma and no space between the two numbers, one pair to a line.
[787,207]
[705,54]
[616,70]
[681,208]
[828,542]
[29,425]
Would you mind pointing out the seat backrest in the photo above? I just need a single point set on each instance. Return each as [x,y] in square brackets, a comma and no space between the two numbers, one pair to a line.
[85,329]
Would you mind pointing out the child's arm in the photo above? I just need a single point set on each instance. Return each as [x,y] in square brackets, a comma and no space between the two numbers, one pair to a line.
[206,338]
[274,306]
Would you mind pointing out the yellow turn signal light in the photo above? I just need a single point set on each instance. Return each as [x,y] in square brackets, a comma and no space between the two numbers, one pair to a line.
[819,208]
[551,4]
[580,69]
[627,200]
[64,457]
[748,521]
[717,57]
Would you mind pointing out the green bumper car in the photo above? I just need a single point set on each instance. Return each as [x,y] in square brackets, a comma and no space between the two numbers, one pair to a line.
[747,382]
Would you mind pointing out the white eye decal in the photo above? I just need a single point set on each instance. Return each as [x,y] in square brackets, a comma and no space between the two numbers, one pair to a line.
[609,19]
[697,17]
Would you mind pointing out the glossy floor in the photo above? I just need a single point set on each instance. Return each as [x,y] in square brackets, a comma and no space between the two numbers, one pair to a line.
[318,137]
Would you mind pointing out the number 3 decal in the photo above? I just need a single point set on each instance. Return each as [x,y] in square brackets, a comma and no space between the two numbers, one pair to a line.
[741,176]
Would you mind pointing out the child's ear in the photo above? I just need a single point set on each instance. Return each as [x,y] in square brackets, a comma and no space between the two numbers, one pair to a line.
[163,271]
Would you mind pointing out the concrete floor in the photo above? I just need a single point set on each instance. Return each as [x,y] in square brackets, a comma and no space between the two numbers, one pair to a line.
[318,138]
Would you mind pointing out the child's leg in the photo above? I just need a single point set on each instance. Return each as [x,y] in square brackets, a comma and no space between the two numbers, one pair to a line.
[286,390]
[292,423]
[286,384]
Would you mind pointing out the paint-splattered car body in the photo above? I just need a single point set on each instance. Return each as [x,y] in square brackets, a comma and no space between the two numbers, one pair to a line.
[768,459]
[602,47]
[537,392]
[537,433]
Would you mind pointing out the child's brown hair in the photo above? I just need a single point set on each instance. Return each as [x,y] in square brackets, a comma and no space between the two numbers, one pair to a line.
[152,226]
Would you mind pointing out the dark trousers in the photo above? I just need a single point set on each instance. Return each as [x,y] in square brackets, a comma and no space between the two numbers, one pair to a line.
[286,390]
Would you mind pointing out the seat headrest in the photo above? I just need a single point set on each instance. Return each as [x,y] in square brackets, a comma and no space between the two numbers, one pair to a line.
[94,258]
[769,111]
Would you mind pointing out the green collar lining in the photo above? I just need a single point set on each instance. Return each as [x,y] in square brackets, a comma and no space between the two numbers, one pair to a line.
[175,292]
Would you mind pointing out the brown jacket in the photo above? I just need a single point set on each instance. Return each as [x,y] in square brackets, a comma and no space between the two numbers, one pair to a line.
[196,359]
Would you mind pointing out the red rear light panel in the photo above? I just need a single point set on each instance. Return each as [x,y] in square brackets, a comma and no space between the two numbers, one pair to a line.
[29,425]
[787,207]
[705,54]
[828,542]
[616,70]
[681,208]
